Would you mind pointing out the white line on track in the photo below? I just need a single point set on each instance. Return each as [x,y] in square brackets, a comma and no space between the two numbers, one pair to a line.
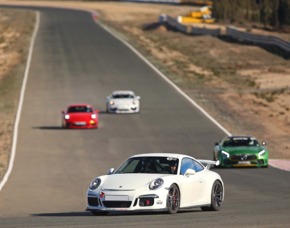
[20,104]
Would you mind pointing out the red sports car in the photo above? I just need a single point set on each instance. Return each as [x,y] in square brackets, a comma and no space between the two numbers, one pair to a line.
[80,116]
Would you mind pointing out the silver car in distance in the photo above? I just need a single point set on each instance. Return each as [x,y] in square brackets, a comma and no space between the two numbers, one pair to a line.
[123,101]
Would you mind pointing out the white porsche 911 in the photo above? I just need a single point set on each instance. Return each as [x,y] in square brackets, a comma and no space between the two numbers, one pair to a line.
[157,182]
[123,101]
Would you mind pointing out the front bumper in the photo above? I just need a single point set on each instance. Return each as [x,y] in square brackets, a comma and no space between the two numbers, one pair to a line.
[123,109]
[244,161]
[122,201]
[80,124]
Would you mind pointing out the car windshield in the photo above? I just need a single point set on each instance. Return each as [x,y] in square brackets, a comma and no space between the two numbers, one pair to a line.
[122,96]
[241,141]
[167,165]
[79,109]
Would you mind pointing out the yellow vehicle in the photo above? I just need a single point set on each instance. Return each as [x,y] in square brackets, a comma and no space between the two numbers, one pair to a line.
[198,2]
[203,15]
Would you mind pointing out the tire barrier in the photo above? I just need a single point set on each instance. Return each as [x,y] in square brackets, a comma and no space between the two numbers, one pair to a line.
[257,39]
[231,32]
[179,2]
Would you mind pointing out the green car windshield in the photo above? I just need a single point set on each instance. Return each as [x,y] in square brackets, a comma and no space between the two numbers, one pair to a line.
[241,141]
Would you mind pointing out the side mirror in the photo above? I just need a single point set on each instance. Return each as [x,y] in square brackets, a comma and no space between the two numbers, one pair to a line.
[138,97]
[264,143]
[62,112]
[110,171]
[216,144]
[189,172]
[97,110]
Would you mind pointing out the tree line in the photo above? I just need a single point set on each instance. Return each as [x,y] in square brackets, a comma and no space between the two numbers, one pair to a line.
[269,13]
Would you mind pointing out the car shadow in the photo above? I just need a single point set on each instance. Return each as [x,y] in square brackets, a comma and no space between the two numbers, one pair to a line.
[103,112]
[49,128]
[62,128]
[115,213]
[64,214]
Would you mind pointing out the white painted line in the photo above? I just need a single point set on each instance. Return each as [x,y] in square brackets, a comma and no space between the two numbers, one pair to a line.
[117,36]
[20,104]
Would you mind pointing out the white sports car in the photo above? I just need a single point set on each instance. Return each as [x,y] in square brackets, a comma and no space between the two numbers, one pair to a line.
[123,101]
[157,182]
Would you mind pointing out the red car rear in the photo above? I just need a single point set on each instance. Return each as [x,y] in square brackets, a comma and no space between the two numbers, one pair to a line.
[80,116]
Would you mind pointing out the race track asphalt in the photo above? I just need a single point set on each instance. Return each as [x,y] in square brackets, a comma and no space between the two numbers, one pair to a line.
[74,61]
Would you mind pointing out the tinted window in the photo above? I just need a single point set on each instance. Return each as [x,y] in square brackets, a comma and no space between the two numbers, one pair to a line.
[188,163]
[79,109]
[240,141]
[197,167]
[149,165]
[117,96]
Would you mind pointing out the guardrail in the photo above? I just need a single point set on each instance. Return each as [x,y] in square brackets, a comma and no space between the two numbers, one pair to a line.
[194,2]
[231,32]
[156,1]
[257,39]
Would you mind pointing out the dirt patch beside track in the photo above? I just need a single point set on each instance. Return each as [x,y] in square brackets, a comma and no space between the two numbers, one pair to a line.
[15,31]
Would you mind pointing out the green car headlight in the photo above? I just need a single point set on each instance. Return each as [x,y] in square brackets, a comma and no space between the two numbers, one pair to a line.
[225,154]
[261,153]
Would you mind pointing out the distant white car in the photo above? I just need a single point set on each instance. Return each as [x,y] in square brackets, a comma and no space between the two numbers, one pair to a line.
[123,101]
[157,182]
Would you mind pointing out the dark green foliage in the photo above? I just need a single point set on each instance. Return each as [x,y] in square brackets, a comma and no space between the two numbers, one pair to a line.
[270,13]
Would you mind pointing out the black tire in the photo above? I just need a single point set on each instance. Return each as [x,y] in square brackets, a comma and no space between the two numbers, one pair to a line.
[173,199]
[214,157]
[64,125]
[217,193]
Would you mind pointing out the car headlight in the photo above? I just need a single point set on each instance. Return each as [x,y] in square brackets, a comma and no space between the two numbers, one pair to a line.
[95,184]
[93,116]
[225,154]
[66,116]
[111,102]
[156,184]
[261,153]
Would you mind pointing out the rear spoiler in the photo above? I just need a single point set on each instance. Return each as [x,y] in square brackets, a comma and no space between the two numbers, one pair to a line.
[209,163]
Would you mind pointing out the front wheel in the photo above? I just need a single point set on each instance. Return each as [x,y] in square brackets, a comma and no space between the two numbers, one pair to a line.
[173,199]
[217,193]
[215,156]
[64,125]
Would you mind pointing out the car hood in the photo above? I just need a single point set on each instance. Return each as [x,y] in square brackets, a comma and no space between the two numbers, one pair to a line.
[128,181]
[243,150]
[123,101]
[80,115]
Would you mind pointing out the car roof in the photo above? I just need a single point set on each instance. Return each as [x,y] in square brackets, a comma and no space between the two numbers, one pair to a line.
[76,105]
[123,92]
[173,155]
[241,136]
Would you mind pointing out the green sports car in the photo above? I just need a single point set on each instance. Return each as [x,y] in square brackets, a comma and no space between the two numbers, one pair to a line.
[241,151]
